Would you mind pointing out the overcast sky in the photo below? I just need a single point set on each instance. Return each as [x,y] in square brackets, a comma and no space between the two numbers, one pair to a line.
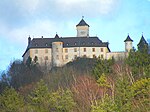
[110,20]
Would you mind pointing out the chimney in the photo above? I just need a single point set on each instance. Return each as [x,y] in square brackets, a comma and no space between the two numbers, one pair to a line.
[29,40]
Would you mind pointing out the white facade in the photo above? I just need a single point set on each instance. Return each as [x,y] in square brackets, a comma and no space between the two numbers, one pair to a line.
[128,46]
[59,51]
[82,31]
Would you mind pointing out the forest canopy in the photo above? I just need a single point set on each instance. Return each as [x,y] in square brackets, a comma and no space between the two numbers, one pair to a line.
[84,85]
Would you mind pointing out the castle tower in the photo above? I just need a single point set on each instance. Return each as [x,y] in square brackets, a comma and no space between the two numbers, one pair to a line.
[57,51]
[128,43]
[82,29]
[142,44]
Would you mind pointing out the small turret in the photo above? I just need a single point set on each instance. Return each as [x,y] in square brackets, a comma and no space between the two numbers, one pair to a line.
[56,36]
[82,29]
[142,44]
[57,51]
[128,44]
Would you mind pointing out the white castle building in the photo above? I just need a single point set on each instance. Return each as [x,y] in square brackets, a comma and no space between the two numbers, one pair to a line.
[58,51]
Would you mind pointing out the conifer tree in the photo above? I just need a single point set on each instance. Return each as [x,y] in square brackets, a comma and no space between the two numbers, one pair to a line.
[11,101]
[106,104]
[139,63]
[141,95]
[102,67]
[39,98]
[123,94]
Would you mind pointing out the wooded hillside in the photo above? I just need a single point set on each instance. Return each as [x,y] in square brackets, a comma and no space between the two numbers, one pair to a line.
[84,85]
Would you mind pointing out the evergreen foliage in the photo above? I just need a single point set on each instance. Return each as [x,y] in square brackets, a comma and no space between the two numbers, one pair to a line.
[35,59]
[20,75]
[106,104]
[139,63]
[11,101]
[29,61]
[123,94]
[115,87]
[41,100]
[102,67]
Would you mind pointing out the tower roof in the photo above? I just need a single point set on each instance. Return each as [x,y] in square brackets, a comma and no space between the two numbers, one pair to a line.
[82,23]
[128,39]
[56,36]
[142,41]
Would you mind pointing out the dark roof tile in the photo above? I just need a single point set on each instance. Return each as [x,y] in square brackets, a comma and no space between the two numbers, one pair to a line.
[82,23]
[142,41]
[67,42]
[128,39]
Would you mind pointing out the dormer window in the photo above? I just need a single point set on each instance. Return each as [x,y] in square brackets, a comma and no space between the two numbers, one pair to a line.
[83,43]
[36,44]
[67,44]
[75,43]
[46,44]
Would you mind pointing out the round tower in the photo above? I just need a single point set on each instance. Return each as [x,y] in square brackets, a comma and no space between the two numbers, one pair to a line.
[82,29]
[57,52]
[142,44]
[128,44]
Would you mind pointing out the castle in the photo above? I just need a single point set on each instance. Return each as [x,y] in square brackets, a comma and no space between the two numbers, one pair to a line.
[58,51]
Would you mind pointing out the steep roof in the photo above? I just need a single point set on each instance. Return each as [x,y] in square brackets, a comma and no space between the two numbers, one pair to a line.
[57,38]
[82,23]
[67,42]
[128,39]
[142,41]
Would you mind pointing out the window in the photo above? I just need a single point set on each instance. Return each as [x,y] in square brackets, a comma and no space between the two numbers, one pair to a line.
[75,49]
[36,51]
[57,56]
[101,49]
[75,56]
[35,59]
[102,56]
[93,49]
[46,44]
[56,49]
[84,49]
[94,56]
[46,50]
[66,56]
[66,50]
[84,56]
[36,44]
[46,57]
